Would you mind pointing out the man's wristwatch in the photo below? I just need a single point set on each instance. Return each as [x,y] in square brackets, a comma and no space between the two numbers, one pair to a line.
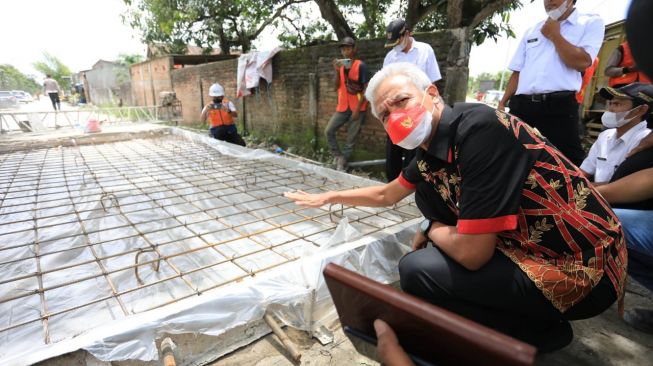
[425,227]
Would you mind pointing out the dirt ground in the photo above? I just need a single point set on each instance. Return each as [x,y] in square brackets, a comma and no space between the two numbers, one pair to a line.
[604,340]
[600,341]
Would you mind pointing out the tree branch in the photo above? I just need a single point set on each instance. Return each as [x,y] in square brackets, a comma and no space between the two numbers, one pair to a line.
[275,16]
[487,11]
[331,13]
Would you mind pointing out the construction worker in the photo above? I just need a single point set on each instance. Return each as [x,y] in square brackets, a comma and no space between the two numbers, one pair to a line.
[350,82]
[621,68]
[221,113]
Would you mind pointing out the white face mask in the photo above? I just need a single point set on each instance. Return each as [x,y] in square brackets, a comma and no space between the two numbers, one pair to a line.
[401,45]
[616,119]
[556,13]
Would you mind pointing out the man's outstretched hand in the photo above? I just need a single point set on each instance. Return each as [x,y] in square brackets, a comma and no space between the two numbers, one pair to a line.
[390,350]
[302,198]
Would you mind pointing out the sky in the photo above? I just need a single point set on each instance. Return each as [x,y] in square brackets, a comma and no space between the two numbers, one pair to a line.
[493,57]
[80,32]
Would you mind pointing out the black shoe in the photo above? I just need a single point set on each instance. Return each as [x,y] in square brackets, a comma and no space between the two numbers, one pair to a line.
[552,338]
[640,319]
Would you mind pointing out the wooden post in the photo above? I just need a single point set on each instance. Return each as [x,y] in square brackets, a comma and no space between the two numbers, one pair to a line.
[287,343]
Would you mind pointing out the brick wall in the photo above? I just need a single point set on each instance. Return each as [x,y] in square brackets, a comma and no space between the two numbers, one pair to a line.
[284,108]
[192,83]
[149,78]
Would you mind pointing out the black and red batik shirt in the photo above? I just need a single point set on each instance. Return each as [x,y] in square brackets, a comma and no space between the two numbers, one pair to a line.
[486,171]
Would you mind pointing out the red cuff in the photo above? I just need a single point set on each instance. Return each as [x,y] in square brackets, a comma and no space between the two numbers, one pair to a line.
[486,226]
[405,182]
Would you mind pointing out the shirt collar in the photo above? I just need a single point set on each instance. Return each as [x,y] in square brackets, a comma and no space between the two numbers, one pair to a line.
[441,143]
[634,130]
[412,46]
[573,17]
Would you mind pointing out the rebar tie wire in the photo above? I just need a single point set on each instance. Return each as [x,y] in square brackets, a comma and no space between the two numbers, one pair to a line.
[111,198]
[155,264]
[337,215]
[246,178]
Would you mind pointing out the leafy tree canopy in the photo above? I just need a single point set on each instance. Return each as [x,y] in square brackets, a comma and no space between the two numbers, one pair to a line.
[122,74]
[236,23]
[12,79]
[474,82]
[128,60]
[51,65]
[229,23]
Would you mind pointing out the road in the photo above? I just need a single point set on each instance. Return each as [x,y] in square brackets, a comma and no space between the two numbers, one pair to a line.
[40,114]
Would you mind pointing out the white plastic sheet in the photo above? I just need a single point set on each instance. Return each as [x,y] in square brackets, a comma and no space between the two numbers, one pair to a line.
[251,68]
[294,291]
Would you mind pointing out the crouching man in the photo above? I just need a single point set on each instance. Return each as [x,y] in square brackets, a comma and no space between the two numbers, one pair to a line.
[521,241]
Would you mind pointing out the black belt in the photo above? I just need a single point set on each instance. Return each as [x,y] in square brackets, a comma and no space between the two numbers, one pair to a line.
[538,98]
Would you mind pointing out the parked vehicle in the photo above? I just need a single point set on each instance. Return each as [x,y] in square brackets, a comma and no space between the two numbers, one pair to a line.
[492,97]
[8,100]
[22,96]
[593,104]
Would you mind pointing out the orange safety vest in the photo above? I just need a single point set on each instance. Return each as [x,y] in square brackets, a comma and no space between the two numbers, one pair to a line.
[587,77]
[346,100]
[221,117]
[627,60]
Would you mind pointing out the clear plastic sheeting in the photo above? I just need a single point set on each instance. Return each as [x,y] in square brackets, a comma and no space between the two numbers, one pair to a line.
[106,247]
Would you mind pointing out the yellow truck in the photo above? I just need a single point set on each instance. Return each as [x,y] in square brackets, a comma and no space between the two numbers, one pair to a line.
[593,105]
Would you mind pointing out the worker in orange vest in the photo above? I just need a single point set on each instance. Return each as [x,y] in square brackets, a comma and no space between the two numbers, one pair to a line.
[621,68]
[350,82]
[221,114]
[587,77]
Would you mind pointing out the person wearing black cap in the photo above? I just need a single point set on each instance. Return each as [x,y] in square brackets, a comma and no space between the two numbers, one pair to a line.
[350,82]
[630,193]
[406,49]
[625,123]
[547,70]
[631,189]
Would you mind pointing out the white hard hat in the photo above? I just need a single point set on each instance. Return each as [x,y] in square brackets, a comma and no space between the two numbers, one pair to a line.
[216,90]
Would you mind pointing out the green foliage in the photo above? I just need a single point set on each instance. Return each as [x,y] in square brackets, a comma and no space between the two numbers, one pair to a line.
[128,60]
[231,23]
[297,33]
[473,82]
[488,28]
[122,74]
[51,65]
[236,23]
[12,79]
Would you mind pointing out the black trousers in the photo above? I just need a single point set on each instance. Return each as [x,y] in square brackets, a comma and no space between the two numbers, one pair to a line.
[556,117]
[54,98]
[227,133]
[396,158]
[499,295]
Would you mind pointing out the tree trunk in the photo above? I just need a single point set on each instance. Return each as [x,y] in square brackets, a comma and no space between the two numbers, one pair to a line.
[412,14]
[457,66]
[370,14]
[225,45]
[330,12]
[454,13]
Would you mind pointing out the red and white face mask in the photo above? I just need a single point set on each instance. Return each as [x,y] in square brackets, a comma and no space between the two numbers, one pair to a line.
[409,128]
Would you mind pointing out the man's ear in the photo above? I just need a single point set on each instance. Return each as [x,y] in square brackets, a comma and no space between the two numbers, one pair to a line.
[433,91]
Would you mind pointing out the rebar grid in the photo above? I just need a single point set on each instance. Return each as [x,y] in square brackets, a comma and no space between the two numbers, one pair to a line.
[60,202]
